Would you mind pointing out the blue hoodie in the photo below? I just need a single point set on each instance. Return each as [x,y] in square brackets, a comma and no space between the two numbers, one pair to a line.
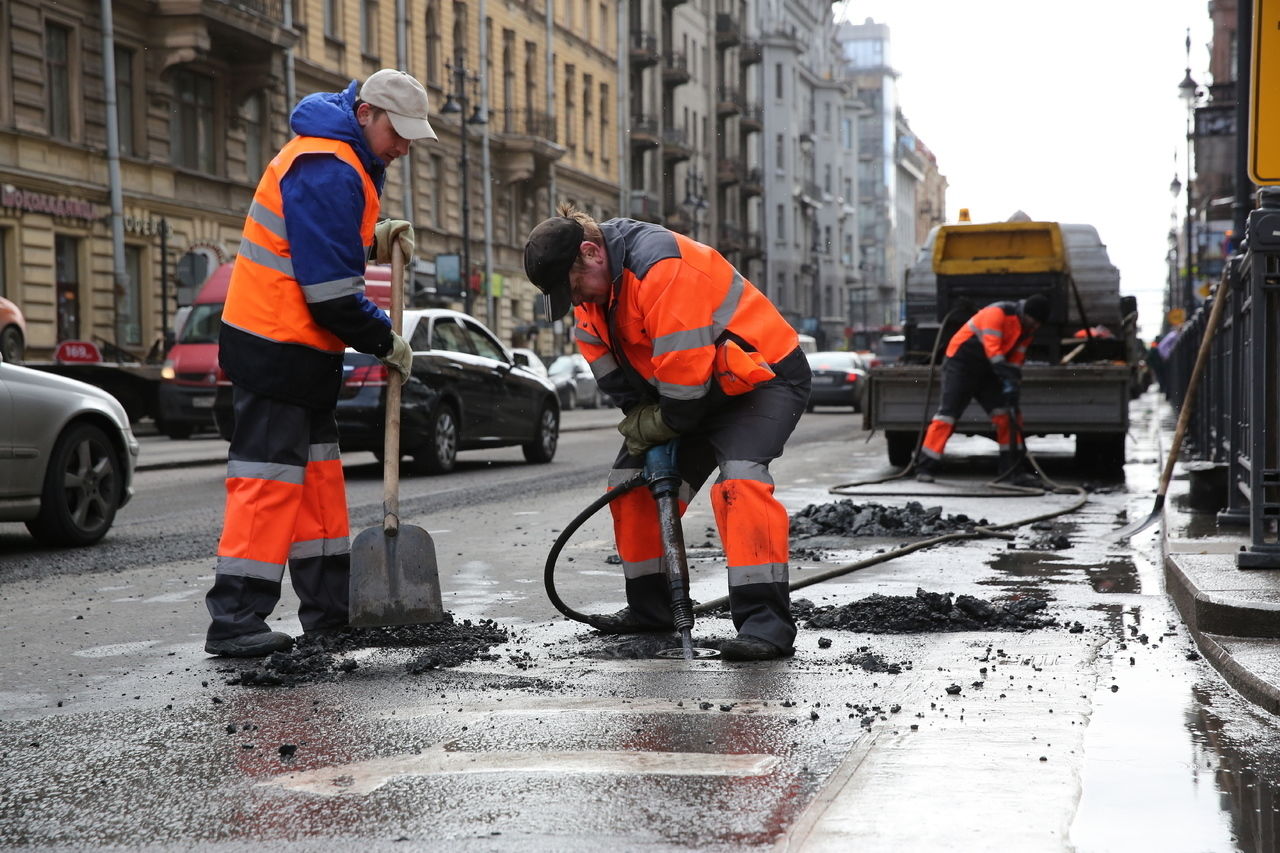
[323,206]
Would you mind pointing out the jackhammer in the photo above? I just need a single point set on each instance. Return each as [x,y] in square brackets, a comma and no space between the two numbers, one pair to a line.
[663,478]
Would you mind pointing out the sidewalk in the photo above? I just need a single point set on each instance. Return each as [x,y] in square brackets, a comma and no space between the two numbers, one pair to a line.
[1233,613]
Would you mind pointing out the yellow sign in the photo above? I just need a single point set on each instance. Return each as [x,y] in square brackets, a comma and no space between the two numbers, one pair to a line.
[1176,316]
[1264,94]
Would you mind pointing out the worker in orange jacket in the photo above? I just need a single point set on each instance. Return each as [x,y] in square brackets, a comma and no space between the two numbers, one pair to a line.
[295,302]
[687,348]
[984,362]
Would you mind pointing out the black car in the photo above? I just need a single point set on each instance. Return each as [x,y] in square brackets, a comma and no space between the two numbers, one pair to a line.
[839,379]
[467,392]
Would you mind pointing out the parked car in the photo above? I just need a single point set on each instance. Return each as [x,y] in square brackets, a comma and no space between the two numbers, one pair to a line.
[529,360]
[67,456]
[839,379]
[13,332]
[889,351]
[575,383]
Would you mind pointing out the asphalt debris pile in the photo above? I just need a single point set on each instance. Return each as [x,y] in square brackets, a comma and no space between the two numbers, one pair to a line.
[322,656]
[925,612]
[874,662]
[846,518]
[1045,536]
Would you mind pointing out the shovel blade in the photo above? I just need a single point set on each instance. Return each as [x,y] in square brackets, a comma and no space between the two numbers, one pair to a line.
[1134,528]
[394,579]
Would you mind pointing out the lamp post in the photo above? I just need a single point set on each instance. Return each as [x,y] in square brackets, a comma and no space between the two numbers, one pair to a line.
[1175,190]
[1189,91]
[694,200]
[456,102]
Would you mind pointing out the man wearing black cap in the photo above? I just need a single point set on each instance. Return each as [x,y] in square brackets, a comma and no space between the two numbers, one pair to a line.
[687,348]
[984,362]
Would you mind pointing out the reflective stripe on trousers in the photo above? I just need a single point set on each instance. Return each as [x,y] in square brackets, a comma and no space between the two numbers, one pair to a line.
[286,504]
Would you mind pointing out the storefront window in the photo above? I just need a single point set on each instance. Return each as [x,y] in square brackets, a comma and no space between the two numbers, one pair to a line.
[129,303]
[66,258]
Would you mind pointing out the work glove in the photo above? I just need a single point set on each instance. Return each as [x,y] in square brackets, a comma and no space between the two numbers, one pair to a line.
[1010,390]
[1010,376]
[643,427]
[386,231]
[399,357]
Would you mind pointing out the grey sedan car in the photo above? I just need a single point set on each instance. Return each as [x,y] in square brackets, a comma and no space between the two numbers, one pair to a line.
[67,456]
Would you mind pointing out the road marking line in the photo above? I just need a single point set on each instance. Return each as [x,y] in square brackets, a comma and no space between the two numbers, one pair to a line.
[363,777]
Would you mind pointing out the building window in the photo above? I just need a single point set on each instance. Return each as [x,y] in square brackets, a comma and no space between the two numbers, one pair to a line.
[459,34]
[129,302]
[570,113]
[586,19]
[253,114]
[777,81]
[333,19]
[125,102]
[781,236]
[191,125]
[604,26]
[433,45]
[369,28]
[4,263]
[66,260]
[57,58]
[780,148]
[826,177]
[435,171]
[605,106]
[587,104]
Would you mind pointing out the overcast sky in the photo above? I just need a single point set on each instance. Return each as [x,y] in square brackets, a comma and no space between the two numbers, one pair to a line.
[1068,111]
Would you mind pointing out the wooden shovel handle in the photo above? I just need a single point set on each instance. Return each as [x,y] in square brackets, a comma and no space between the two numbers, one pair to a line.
[1184,416]
[391,445]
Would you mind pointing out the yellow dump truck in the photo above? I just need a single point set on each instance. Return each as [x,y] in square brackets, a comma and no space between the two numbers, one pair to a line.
[1083,367]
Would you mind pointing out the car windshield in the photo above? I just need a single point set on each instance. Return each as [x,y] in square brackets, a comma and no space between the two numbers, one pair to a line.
[833,361]
[562,364]
[202,324]
[892,347]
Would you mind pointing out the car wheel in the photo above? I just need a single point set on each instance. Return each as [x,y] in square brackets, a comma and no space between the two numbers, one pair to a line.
[439,453]
[570,399]
[901,445]
[82,488]
[543,447]
[12,345]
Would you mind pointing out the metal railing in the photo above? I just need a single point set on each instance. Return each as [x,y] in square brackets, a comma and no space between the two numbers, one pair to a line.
[1234,426]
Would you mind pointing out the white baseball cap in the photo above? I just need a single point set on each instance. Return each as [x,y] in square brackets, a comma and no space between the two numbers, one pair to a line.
[403,98]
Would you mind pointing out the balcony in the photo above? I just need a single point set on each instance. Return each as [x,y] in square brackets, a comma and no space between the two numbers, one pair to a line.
[245,32]
[671,4]
[644,49]
[752,118]
[728,31]
[729,170]
[751,52]
[524,145]
[753,182]
[808,131]
[751,248]
[679,220]
[644,133]
[729,102]
[730,238]
[675,69]
[645,206]
[675,145]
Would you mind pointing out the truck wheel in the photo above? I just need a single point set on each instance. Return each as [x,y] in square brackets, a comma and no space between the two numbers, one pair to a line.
[177,431]
[1103,453]
[902,444]
[543,447]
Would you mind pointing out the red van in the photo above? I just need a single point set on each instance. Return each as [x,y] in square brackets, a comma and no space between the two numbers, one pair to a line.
[191,376]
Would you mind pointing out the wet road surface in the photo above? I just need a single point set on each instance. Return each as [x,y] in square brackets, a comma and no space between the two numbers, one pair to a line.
[1102,732]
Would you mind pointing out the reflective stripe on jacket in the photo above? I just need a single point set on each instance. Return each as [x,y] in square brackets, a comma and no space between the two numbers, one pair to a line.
[674,302]
[995,332]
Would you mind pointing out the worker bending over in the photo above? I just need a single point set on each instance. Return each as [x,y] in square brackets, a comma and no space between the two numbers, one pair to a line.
[984,362]
[686,347]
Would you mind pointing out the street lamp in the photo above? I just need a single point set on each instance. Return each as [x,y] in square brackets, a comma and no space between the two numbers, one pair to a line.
[456,102]
[1189,91]
[1175,190]
[694,200]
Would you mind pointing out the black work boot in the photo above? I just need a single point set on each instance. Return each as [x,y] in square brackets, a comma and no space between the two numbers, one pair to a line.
[1015,470]
[926,470]
[257,645]
[626,622]
[746,647]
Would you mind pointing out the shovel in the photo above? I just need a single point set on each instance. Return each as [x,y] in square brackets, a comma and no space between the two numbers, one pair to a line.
[394,578]
[1184,418]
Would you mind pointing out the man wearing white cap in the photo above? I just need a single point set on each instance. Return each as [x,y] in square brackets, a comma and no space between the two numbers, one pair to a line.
[295,302]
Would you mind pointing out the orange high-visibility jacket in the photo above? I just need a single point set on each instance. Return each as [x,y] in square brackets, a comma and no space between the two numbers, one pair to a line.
[995,332]
[674,303]
[266,301]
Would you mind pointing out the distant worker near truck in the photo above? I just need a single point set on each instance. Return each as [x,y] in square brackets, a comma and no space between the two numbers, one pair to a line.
[984,362]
